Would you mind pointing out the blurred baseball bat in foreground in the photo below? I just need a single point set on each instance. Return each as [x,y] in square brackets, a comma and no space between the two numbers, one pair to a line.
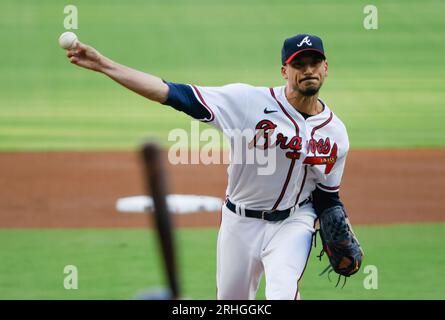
[156,183]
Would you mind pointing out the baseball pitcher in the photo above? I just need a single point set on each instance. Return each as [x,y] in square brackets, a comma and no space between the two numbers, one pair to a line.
[267,221]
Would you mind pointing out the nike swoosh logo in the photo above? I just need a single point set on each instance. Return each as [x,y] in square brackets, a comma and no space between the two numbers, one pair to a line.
[269,111]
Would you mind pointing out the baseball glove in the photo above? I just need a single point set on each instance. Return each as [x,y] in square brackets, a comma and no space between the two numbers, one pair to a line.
[339,242]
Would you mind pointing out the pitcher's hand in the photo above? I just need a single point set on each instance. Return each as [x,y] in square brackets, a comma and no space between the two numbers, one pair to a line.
[86,57]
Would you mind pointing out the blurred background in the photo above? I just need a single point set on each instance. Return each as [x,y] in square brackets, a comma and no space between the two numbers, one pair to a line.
[68,139]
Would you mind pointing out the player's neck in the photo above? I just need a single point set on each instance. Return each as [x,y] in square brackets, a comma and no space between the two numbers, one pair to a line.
[306,104]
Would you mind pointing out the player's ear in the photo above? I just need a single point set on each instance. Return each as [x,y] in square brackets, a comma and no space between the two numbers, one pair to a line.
[326,68]
[284,71]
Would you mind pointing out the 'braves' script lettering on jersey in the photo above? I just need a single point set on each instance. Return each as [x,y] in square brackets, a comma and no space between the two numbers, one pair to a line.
[265,129]
[322,146]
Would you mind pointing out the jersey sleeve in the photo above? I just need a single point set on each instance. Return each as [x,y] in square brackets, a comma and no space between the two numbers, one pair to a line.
[223,107]
[331,182]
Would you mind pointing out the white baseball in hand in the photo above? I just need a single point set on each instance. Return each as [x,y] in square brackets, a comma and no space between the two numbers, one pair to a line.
[67,40]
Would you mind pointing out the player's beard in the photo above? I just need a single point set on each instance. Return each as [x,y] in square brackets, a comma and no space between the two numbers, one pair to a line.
[310,91]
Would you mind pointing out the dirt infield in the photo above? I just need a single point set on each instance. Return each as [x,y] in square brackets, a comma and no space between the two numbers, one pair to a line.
[79,189]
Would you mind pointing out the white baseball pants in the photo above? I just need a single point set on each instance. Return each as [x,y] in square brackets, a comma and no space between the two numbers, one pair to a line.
[249,247]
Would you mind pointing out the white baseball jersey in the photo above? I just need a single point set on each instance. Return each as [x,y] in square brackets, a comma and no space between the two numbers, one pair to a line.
[320,141]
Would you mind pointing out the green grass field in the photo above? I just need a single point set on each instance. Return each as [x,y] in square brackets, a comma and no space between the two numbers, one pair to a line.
[117,264]
[386,84]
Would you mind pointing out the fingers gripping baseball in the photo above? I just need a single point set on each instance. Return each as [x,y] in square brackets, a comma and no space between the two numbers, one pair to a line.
[85,56]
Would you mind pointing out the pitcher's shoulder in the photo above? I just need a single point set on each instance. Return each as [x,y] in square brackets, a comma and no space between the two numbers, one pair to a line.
[248,89]
[260,89]
[341,131]
[339,123]
[335,127]
[334,120]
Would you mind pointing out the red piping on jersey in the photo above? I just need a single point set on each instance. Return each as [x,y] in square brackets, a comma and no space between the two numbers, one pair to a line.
[297,128]
[292,164]
[302,184]
[283,191]
[328,188]
[204,104]
[321,125]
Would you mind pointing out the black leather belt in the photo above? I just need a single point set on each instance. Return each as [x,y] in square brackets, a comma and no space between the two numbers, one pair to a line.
[269,215]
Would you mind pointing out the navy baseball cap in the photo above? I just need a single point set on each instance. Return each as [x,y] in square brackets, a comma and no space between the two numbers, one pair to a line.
[300,43]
